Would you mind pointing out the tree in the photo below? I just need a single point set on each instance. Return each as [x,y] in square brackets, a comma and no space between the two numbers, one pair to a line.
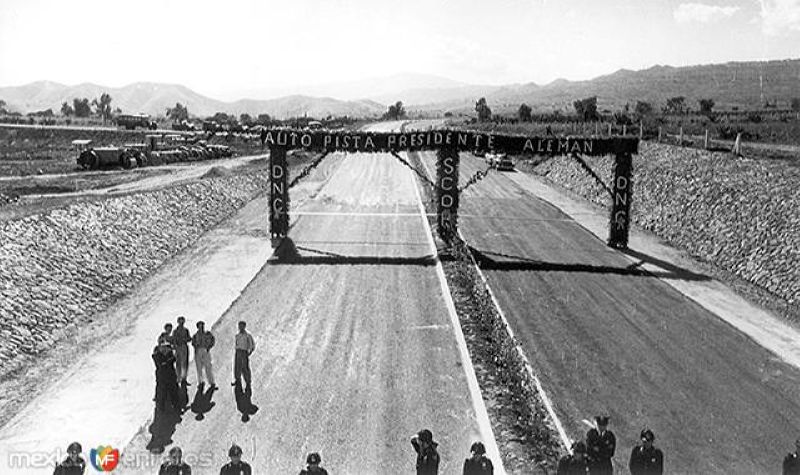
[3,107]
[178,113]
[675,105]
[643,109]
[81,107]
[395,111]
[524,113]
[483,110]
[706,105]
[587,108]
[795,104]
[103,106]
[264,119]
[245,119]
[621,118]
[66,109]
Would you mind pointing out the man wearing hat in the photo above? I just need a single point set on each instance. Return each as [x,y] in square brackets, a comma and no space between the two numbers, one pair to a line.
[575,463]
[175,465]
[600,447]
[646,459]
[166,378]
[203,341]
[427,456]
[74,463]
[791,463]
[236,466]
[478,463]
[312,465]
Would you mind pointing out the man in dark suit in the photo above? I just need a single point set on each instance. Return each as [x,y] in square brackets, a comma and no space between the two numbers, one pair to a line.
[601,445]
[645,458]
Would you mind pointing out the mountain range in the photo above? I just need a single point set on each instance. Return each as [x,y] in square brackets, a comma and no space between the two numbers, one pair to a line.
[155,98]
[745,85]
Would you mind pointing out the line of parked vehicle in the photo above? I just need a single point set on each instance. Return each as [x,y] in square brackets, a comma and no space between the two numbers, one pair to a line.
[156,150]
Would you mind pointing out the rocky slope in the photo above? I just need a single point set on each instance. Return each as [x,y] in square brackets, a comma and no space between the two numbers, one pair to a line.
[59,267]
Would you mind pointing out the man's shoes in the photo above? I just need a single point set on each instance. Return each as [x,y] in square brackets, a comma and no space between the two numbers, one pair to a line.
[233,384]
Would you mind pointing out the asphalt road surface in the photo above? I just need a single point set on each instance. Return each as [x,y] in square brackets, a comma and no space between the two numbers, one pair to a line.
[606,339]
[355,349]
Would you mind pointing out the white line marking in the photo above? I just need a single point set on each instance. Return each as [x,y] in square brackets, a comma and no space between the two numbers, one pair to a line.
[482,415]
[565,440]
[429,327]
[343,213]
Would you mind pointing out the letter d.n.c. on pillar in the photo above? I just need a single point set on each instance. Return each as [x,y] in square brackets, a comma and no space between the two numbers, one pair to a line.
[278,193]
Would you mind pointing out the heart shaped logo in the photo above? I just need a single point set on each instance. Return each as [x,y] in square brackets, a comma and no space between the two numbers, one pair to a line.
[104,458]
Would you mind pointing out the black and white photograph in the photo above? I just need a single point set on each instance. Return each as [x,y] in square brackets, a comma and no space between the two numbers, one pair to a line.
[371,237]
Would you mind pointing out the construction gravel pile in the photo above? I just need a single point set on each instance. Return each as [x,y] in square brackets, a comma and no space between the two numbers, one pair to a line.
[739,214]
[58,267]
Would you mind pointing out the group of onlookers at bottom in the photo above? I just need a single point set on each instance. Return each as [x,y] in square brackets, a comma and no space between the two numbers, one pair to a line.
[594,455]
[427,460]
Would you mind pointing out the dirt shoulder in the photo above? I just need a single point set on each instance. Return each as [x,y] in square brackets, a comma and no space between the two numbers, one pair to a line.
[59,275]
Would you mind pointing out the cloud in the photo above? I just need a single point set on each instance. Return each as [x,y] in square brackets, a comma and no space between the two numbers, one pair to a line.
[702,13]
[780,16]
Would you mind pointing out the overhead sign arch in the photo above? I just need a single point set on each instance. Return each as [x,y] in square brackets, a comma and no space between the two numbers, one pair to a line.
[448,143]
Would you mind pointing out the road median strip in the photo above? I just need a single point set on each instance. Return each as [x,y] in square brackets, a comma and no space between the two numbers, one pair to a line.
[527,431]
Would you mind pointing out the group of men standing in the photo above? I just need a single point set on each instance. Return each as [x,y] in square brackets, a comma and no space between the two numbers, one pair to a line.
[594,455]
[171,358]
[428,456]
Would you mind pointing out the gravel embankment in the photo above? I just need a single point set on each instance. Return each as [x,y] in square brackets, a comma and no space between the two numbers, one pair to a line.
[58,267]
[738,214]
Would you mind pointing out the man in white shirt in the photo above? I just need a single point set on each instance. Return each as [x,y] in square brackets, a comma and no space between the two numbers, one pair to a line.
[245,345]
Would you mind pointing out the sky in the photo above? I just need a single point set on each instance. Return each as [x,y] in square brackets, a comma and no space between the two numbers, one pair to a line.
[256,48]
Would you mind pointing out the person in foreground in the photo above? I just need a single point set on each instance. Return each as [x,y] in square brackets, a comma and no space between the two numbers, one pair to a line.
[575,463]
[427,456]
[791,463]
[74,463]
[478,463]
[175,465]
[645,458]
[312,465]
[236,466]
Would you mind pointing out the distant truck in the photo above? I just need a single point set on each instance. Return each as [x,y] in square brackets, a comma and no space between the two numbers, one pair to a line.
[131,121]
[92,158]
[156,150]
[500,161]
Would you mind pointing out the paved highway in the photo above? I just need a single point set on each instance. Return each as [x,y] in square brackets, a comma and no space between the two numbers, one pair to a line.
[356,349]
[355,346]
[604,338]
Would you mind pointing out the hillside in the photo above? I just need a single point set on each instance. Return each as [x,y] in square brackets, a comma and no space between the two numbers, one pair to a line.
[155,98]
[737,84]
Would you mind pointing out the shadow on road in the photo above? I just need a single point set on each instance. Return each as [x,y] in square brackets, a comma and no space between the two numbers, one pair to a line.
[202,402]
[289,254]
[162,428]
[244,401]
[488,260]
[164,421]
